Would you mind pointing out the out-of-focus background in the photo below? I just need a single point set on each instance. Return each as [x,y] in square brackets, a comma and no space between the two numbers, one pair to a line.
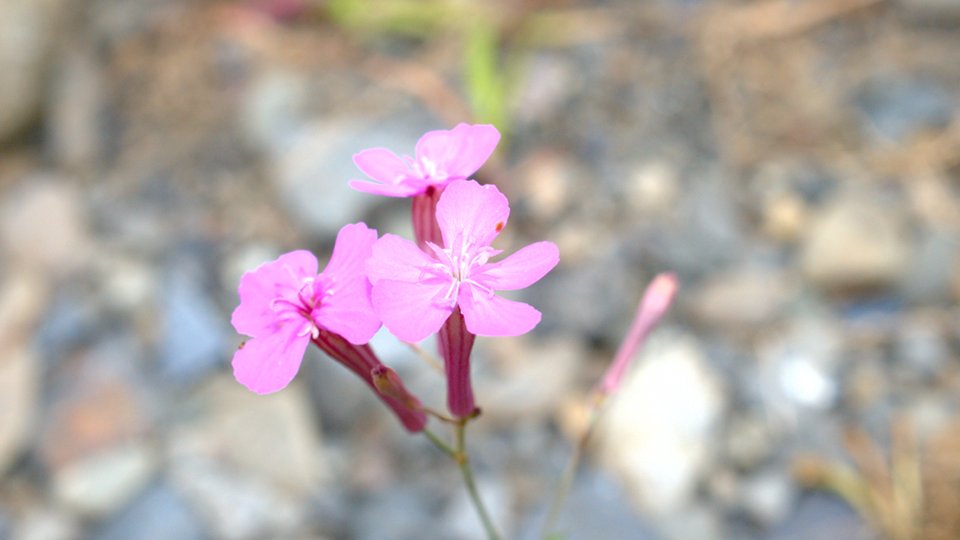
[796,163]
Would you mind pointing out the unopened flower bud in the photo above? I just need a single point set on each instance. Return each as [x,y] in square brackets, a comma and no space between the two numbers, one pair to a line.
[653,306]
[389,384]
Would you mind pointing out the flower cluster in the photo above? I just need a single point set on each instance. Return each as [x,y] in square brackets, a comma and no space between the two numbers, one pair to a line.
[445,282]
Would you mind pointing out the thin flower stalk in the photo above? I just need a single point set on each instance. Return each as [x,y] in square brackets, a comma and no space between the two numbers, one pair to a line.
[656,300]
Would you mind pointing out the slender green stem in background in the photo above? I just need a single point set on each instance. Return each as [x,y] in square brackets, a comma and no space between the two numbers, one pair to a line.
[439,443]
[439,415]
[463,461]
[570,470]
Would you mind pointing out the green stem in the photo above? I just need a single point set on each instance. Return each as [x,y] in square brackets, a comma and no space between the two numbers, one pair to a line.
[463,461]
[439,443]
[570,470]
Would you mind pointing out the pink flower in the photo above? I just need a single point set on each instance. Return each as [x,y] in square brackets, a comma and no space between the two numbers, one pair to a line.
[442,156]
[414,292]
[285,303]
[452,289]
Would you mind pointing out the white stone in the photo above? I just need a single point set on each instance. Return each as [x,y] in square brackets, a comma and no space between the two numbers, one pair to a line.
[273,437]
[234,506]
[768,496]
[533,379]
[654,187]
[46,524]
[806,383]
[44,226]
[19,388]
[22,299]
[799,366]
[856,243]
[103,482]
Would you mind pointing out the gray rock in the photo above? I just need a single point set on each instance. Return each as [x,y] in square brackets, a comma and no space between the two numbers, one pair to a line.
[749,440]
[273,438]
[742,299]
[235,506]
[820,516]
[98,484]
[704,231]
[461,519]
[898,106]
[75,107]
[46,524]
[312,171]
[273,110]
[339,397]
[157,514]
[597,507]
[549,82]
[596,297]
[70,322]
[694,521]
[921,345]
[398,513]
[936,257]
[533,389]
[94,442]
[936,11]
[193,336]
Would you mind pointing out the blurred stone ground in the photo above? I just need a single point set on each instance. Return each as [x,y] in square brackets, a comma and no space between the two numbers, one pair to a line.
[796,163]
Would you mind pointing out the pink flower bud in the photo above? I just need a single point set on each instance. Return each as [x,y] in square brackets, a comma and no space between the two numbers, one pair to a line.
[653,306]
[389,384]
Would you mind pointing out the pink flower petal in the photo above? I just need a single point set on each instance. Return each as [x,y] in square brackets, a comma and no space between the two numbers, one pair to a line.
[397,259]
[382,165]
[459,152]
[522,269]
[477,212]
[350,253]
[406,189]
[475,144]
[349,313]
[259,287]
[487,315]
[438,146]
[268,363]
[409,310]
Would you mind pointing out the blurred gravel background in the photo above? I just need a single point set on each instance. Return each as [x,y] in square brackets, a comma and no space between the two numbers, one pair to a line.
[797,163]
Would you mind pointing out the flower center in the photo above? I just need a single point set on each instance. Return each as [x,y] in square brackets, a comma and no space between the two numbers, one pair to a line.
[298,304]
[428,169]
[457,264]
